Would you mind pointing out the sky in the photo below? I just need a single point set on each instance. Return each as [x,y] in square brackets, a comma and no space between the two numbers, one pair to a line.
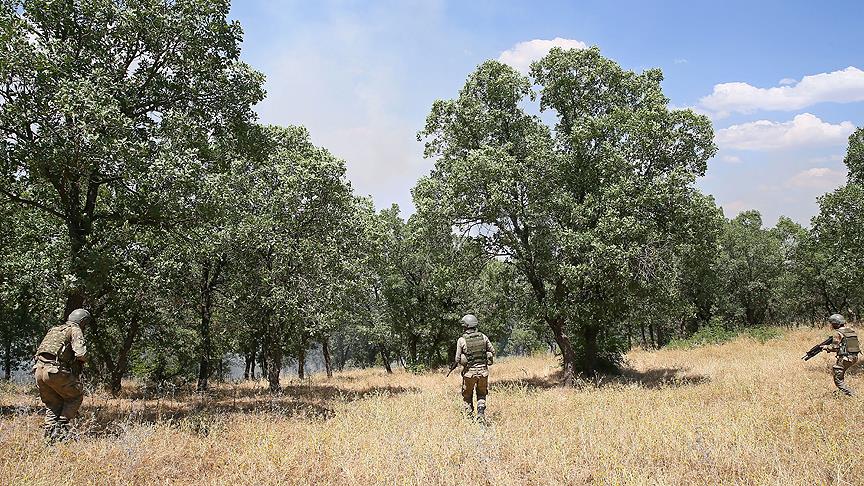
[782,81]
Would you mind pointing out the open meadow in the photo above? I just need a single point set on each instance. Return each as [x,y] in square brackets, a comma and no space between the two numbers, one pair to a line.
[739,413]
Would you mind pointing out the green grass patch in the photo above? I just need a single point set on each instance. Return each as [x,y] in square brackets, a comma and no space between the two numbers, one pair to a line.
[717,334]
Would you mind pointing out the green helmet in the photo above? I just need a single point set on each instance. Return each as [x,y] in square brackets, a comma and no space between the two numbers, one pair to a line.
[836,320]
[79,316]
[469,321]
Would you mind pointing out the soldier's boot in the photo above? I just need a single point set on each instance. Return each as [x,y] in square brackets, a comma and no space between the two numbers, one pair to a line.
[61,433]
[50,426]
[468,410]
[481,414]
[50,434]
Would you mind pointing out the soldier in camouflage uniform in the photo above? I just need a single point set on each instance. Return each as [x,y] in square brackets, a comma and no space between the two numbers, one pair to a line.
[59,358]
[474,352]
[845,344]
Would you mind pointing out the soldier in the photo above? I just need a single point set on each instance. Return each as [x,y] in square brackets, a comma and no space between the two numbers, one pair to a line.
[59,358]
[474,352]
[845,344]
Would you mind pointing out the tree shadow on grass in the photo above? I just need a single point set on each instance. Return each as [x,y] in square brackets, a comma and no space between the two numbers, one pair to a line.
[650,378]
[305,391]
[532,383]
[199,418]
[201,413]
[661,378]
[19,410]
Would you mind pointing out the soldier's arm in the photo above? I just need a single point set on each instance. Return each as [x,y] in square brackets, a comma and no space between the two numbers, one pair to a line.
[835,344]
[460,347]
[78,344]
[489,347]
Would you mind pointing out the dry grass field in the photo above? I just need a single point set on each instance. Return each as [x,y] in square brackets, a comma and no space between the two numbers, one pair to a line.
[738,413]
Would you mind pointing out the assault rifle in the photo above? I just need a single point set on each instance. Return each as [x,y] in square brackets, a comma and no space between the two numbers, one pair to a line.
[452,367]
[817,349]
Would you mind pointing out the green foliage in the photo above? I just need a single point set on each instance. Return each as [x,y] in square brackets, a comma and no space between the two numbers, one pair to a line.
[580,211]
[137,184]
[718,333]
[416,368]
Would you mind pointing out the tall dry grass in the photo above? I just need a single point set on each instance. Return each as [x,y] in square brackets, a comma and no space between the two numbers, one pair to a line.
[739,413]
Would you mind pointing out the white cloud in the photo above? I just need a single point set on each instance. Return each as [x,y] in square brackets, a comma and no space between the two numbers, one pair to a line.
[524,53]
[680,61]
[342,78]
[845,86]
[731,159]
[817,178]
[826,159]
[805,130]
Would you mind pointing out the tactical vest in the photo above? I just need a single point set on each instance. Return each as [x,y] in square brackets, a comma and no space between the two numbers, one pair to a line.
[849,341]
[54,345]
[475,348]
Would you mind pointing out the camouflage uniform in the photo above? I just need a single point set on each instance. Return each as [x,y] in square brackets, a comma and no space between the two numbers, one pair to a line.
[58,368]
[845,344]
[474,352]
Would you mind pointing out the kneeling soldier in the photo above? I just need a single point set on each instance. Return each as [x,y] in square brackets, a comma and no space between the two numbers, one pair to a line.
[845,344]
[58,368]
[474,352]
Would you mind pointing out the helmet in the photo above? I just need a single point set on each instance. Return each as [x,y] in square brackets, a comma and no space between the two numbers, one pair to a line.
[80,317]
[836,320]
[469,321]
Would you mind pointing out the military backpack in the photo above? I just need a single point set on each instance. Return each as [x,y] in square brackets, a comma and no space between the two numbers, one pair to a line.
[53,346]
[849,341]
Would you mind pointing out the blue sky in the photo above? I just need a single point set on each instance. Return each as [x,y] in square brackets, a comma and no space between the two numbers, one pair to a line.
[363,75]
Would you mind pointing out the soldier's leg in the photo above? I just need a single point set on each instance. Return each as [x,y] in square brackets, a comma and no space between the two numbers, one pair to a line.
[52,400]
[482,391]
[72,392]
[839,370]
[468,384]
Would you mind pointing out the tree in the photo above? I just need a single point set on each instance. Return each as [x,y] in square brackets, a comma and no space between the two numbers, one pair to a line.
[296,205]
[840,244]
[751,265]
[576,212]
[29,282]
[107,109]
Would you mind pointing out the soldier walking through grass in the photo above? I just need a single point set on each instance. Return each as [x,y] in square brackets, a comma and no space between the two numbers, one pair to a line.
[474,352]
[59,359]
[845,343]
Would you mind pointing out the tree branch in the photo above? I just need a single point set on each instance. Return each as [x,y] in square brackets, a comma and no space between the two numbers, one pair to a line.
[31,203]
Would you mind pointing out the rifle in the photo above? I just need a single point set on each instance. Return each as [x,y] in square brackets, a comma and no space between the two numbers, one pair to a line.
[817,349]
[452,367]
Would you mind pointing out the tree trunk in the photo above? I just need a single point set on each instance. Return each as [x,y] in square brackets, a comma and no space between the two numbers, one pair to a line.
[301,361]
[642,331]
[262,358]
[591,350]
[204,330]
[78,233]
[249,370]
[386,359]
[7,360]
[274,354]
[325,350]
[122,362]
[568,356]
[412,348]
